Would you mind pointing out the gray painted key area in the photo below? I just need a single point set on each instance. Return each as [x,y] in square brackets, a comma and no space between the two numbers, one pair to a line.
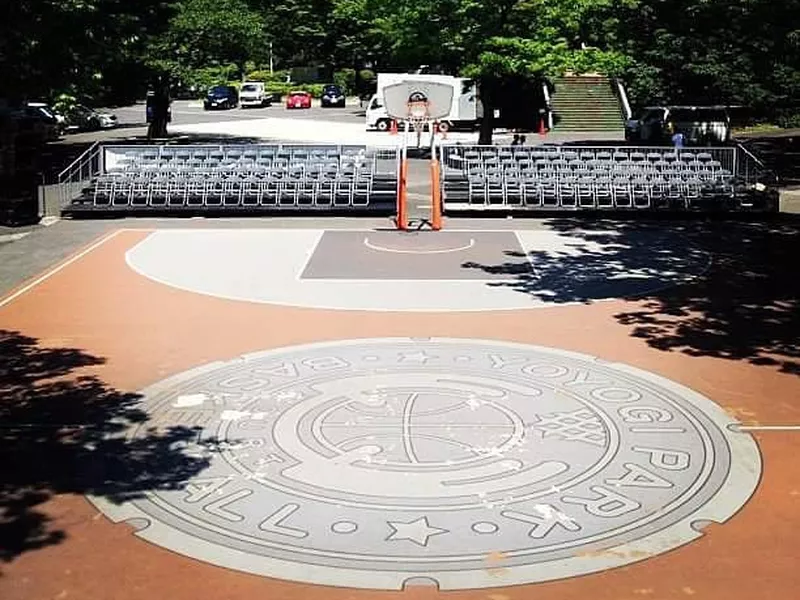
[456,270]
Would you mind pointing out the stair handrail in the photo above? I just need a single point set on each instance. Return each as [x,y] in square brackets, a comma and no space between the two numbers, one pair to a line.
[548,105]
[73,178]
[76,163]
[750,163]
[623,96]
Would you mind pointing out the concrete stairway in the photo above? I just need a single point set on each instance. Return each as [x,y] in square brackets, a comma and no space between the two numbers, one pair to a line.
[586,103]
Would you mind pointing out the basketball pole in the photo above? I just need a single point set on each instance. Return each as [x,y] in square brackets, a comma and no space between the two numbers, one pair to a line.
[436,190]
[402,191]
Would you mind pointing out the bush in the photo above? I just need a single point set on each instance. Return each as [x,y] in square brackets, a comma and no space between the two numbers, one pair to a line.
[788,119]
[267,77]
[315,89]
[346,79]
[202,79]
[367,75]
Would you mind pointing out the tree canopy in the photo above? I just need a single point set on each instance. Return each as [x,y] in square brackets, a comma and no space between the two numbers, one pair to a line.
[723,51]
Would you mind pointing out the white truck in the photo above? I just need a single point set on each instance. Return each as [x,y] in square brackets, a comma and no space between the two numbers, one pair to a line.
[465,113]
[252,93]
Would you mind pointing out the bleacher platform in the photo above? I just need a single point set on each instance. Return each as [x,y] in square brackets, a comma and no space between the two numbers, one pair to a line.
[517,178]
[253,177]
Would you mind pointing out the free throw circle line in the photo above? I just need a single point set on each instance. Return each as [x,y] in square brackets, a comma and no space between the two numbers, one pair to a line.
[372,246]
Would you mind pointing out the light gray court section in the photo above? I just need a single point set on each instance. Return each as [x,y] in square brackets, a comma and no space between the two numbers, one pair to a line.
[422,255]
[369,463]
[459,270]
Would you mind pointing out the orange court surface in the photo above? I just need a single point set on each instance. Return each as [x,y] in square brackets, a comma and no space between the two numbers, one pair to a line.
[503,410]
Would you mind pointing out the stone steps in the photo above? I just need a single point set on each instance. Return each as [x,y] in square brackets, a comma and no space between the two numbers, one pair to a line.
[585,104]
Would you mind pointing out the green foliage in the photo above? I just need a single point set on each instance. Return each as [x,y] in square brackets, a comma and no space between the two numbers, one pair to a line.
[204,34]
[788,119]
[64,103]
[282,89]
[267,77]
[346,79]
[204,78]
[742,52]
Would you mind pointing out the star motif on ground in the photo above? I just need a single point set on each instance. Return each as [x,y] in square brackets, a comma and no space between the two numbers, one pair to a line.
[416,531]
[416,357]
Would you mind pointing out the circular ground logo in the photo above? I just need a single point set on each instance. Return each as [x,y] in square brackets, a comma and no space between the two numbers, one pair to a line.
[369,463]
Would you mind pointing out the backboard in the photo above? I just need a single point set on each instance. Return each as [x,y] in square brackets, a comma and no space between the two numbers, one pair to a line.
[418,99]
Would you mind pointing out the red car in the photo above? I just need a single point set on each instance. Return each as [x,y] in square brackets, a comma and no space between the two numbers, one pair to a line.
[298,100]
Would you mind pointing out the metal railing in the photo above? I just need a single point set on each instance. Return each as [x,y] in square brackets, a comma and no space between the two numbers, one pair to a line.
[79,174]
[750,170]
[623,97]
[587,177]
[548,105]
[266,176]
[453,158]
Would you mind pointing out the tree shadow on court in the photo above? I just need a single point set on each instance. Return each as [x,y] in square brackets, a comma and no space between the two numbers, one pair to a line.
[62,432]
[726,289]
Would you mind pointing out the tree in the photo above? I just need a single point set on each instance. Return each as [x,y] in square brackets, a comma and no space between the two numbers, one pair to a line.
[202,33]
[76,47]
[493,41]
[741,52]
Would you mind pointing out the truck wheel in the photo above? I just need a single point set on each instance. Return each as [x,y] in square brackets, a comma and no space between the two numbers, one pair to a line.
[382,125]
[444,127]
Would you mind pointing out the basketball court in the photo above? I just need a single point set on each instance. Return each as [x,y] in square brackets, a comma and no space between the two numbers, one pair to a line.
[499,410]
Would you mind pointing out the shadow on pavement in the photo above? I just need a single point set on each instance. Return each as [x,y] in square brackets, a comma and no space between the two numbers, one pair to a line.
[62,432]
[714,288]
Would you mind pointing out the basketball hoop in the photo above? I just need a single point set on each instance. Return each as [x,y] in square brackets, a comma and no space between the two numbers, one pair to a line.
[417,110]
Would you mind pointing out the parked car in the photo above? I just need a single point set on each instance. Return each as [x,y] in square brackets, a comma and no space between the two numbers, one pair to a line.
[700,125]
[298,99]
[52,123]
[253,94]
[83,118]
[332,95]
[30,125]
[222,97]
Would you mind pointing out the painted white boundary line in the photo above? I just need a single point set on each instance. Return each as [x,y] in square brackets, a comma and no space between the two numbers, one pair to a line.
[768,427]
[48,274]
[377,248]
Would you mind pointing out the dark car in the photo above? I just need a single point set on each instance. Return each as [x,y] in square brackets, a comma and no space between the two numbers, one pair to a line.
[332,95]
[222,97]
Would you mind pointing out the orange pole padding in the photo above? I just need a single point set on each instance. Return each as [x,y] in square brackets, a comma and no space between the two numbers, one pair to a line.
[402,196]
[436,196]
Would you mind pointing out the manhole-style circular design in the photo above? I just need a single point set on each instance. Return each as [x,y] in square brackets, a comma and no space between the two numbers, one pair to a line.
[370,463]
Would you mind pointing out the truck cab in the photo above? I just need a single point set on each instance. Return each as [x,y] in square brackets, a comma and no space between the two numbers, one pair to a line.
[377,117]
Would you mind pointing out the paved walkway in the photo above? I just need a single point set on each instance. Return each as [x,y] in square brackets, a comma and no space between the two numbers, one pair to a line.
[329,409]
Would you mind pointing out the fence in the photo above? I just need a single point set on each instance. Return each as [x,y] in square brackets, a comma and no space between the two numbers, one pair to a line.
[228,177]
[593,177]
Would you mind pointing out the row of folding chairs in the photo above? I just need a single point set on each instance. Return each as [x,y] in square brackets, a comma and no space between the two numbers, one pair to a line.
[341,189]
[210,163]
[596,165]
[590,193]
[178,154]
[457,155]
[580,163]
[243,169]
[620,173]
